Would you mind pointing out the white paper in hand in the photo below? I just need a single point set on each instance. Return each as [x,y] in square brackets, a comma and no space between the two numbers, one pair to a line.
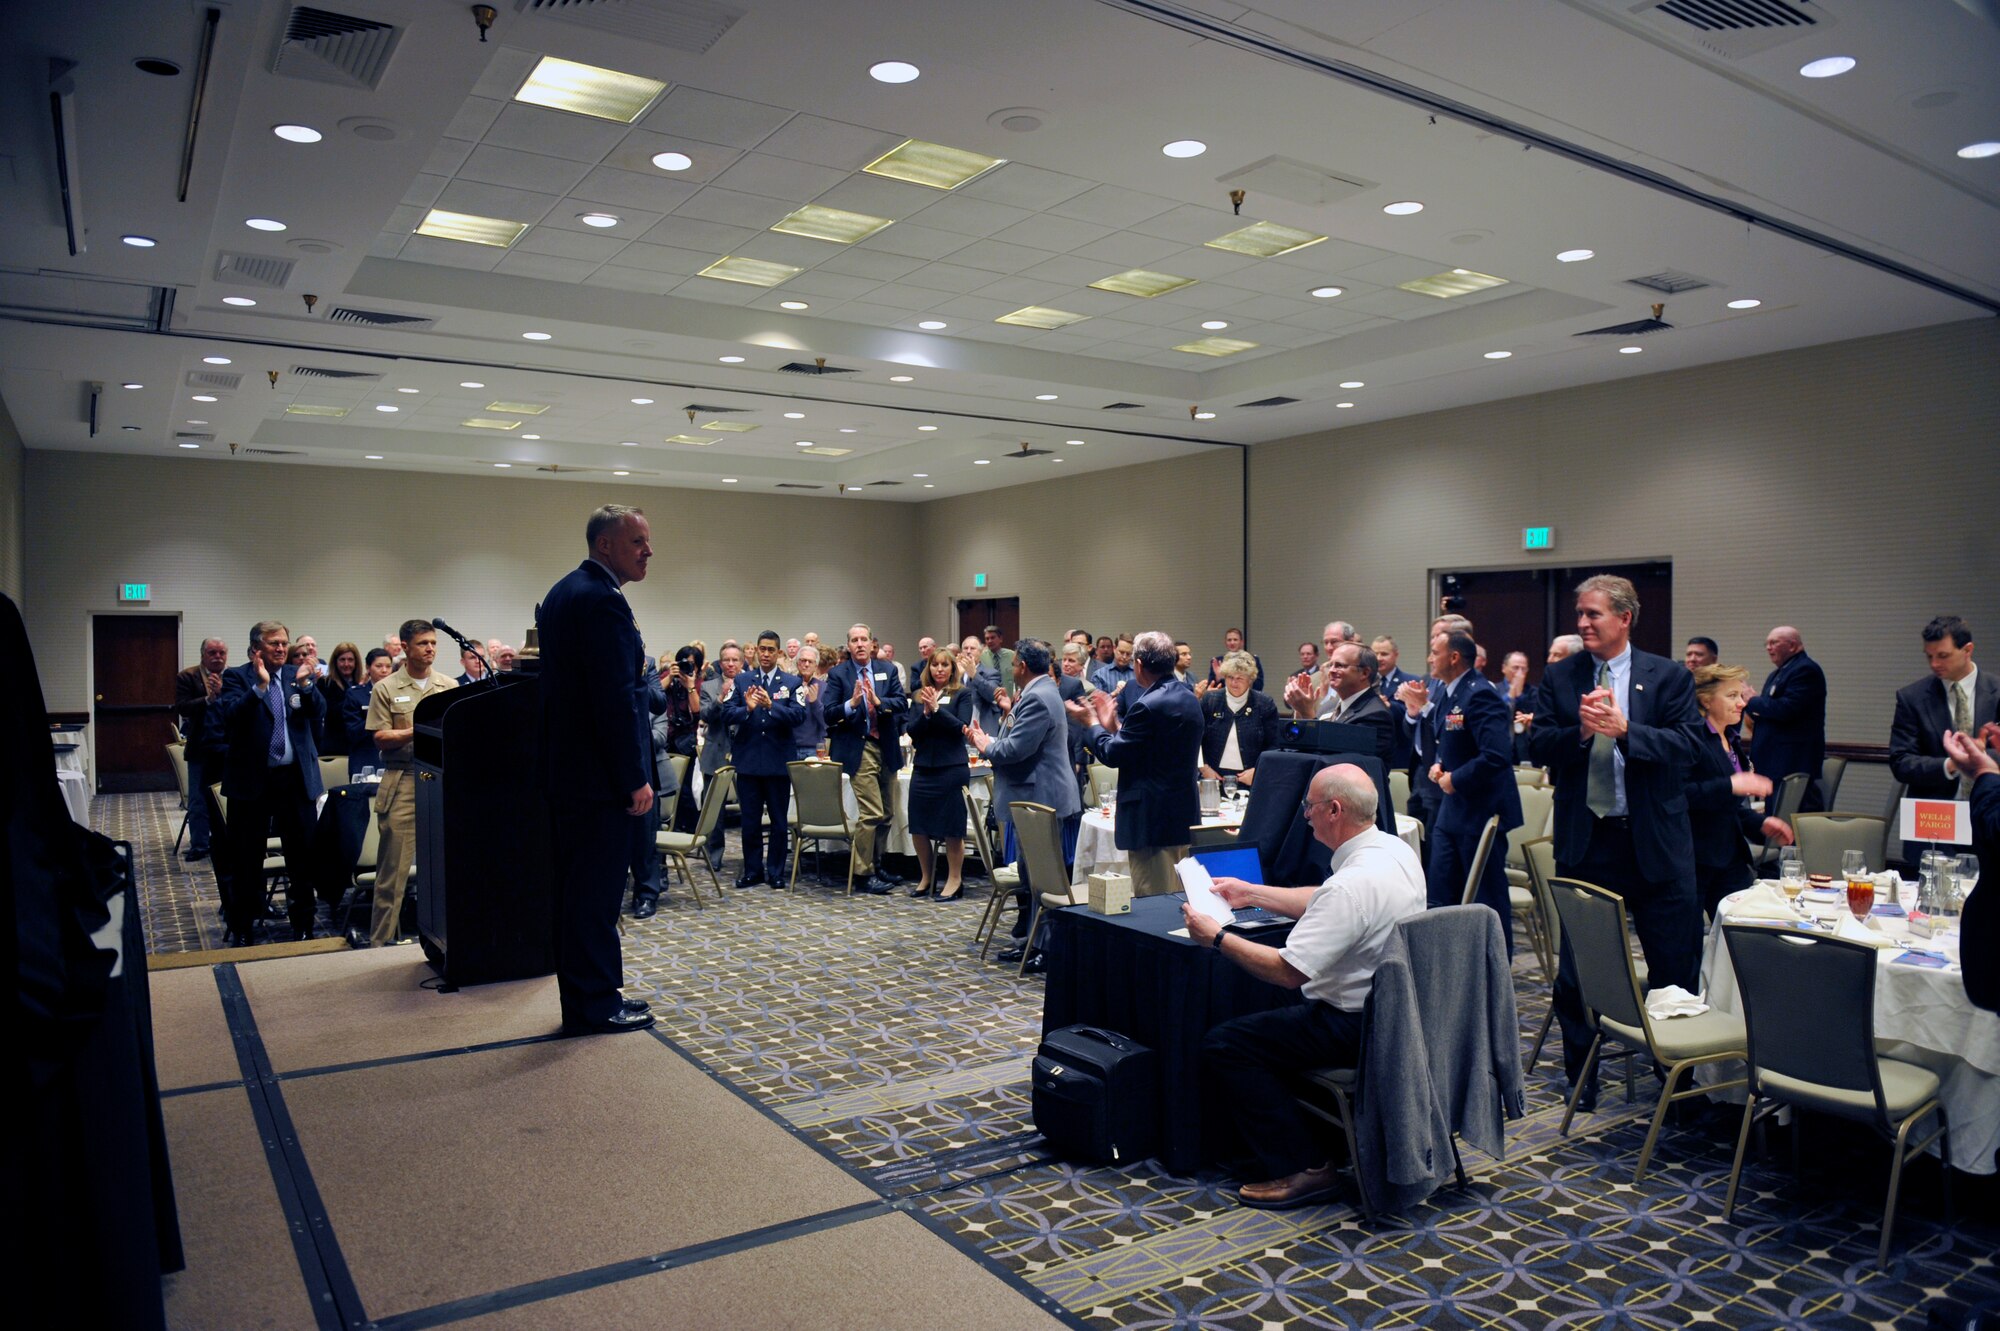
[1200,889]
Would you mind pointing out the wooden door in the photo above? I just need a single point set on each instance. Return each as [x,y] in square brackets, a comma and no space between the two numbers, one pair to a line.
[1509,610]
[1005,611]
[133,662]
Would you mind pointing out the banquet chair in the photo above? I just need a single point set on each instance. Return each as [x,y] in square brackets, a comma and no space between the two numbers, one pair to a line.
[1830,773]
[1786,797]
[1892,820]
[1038,832]
[1545,926]
[679,845]
[1004,878]
[819,814]
[274,859]
[1103,783]
[1530,778]
[1821,1055]
[1615,1007]
[1477,869]
[1399,792]
[1537,802]
[1824,837]
[177,759]
[356,910]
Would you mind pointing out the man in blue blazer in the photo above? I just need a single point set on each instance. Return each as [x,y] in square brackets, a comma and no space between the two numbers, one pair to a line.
[864,703]
[1617,728]
[1789,714]
[265,715]
[1389,678]
[760,715]
[1155,746]
[1467,746]
[1031,760]
[595,763]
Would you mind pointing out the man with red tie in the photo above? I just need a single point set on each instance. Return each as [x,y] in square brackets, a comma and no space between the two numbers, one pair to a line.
[864,704]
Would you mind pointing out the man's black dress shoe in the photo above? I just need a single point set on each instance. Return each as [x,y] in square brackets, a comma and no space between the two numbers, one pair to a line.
[301,935]
[617,1022]
[750,880]
[195,853]
[890,877]
[645,908]
[873,886]
[1012,956]
[633,1005]
[1038,963]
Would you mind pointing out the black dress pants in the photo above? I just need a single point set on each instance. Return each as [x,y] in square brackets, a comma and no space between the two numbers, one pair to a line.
[755,795]
[1250,1065]
[284,803]
[590,846]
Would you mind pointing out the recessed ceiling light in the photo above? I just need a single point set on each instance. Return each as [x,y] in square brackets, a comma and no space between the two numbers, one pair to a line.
[642,402]
[672,161]
[834,224]
[795,415]
[751,272]
[730,360]
[621,473]
[1041,316]
[133,428]
[589,91]
[296,133]
[1204,415]
[793,305]
[931,164]
[1352,383]
[147,242]
[1215,325]
[1216,346]
[1074,443]
[893,71]
[1630,351]
[1457,282]
[1045,397]
[1403,209]
[928,325]
[1827,67]
[131,385]
[598,219]
[1745,304]
[1575,256]
[518,408]
[538,337]
[1989,148]
[847,429]
[409,390]
[927,428]
[1498,355]
[383,406]
[901,378]
[471,228]
[928,485]
[372,457]
[308,409]
[919,475]
[470,383]
[531,436]
[1264,240]
[1140,282]
[982,462]
[489,423]
[628,443]
[263,224]
[503,465]
[197,422]
[190,445]
[237,300]
[1327,293]
[1185,148]
[1343,404]
[204,397]
[804,443]
[1055,459]
[729,480]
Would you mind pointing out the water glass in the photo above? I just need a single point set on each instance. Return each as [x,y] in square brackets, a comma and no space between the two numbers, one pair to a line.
[1791,871]
[1229,789]
[1965,876]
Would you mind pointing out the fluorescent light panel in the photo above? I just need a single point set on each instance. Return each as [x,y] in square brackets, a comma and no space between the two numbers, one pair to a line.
[1265,240]
[695,440]
[297,409]
[751,272]
[931,164]
[729,427]
[1140,282]
[1216,346]
[833,224]
[1457,282]
[587,90]
[1040,316]
[519,408]
[487,423]
[473,230]
[822,451]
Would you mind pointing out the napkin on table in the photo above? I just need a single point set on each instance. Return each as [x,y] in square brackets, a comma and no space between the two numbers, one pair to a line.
[1761,902]
[1673,1001]
[1853,931]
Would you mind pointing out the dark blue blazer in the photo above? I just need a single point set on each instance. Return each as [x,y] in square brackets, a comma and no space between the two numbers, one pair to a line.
[845,735]
[1472,739]
[760,738]
[595,739]
[243,718]
[1155,751]
[354,724]
[937,739]
[1659,748]
[1721,821]
[1790,735]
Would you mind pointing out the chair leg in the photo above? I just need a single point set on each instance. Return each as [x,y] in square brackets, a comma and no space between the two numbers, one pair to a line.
[1354,1155]
[1742,1144]
[989,920]
[1674,1071]
[1039,919]
[1582,1080]
[1457,1161]
[792,881]
[1548,1020]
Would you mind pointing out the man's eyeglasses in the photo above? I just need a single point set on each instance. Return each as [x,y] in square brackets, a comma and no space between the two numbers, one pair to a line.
[1306,806]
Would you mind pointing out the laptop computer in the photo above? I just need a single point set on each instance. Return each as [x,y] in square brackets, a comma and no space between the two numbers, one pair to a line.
[1245,863]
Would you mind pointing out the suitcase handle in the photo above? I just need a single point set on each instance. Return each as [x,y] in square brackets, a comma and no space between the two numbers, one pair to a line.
[1112,1038]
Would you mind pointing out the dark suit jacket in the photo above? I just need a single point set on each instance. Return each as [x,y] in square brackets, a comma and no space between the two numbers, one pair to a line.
[191,706]
[1372,712]
[1916,755]
[1472,739]
[1524,703]
[1979,926]
[761,738]
[1663,729]
[1154,751]
[1256,726]
[1790,735]
[596,740]
[1721,821]
[937,739]
[846,735]
[244,718]
[1402,738]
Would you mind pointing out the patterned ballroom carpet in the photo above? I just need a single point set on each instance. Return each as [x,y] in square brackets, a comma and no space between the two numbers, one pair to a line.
[871,1027]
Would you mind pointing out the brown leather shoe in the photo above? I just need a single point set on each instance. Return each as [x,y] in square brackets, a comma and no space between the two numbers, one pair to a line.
[1306,1186]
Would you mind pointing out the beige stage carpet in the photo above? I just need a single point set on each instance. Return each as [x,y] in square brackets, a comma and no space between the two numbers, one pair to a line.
[191,1044]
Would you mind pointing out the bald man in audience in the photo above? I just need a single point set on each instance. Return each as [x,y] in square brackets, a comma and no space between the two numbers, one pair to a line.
[1788,716]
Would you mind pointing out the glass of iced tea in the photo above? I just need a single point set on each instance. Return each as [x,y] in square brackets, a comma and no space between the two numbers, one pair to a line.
[1860,887]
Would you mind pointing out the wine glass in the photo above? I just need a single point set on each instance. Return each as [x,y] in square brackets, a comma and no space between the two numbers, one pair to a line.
[1791,871]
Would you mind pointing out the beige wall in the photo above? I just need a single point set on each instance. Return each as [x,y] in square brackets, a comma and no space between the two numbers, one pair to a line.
[13,509]
[1153,546]
[324,549]
[1847,489]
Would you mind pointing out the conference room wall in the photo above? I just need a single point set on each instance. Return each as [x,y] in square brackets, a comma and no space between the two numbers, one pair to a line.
[1847,489]
[345,553]
[13,508]
[1158,545]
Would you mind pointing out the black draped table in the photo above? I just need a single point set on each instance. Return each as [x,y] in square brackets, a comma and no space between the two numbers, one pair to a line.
[336,843]
[1129,974]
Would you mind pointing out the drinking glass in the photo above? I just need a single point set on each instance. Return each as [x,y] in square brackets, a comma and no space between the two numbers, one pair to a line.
[1791,871]
[1860,887]
[1966,875]
[1229,789]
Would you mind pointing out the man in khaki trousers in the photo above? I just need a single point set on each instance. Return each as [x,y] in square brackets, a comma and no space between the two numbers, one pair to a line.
[389,720]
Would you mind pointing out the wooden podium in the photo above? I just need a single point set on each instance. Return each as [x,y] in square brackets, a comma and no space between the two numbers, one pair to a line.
[485,905]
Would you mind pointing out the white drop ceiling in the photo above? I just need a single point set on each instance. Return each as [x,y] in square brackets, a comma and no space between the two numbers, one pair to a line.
[1323,112]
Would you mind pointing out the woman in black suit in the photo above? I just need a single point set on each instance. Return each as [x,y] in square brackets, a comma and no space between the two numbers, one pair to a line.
[1719,790]
[939,713]
[1237,722]
[343,672]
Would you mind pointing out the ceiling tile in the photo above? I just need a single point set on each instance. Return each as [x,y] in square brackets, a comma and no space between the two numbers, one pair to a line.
[633,279]
[1155,338]
[948,277]
[1276,279]
[403,219]
[976,308]
[1068,271]
[1023,186]
[568,245]
[537,129]
[1333,317]
[1127,249]
[1112,206]
[632,222]
[718,292]
[635,152]
[1398,304]
[627,189]
[506,71]
[424,190]
[521,170]
[1020,291]
[878,197]
[807,138]
[971,217]
[447,157]
[999,257]
[387,244]
[1062,340]
[870,263]
[546,266]
[798,251]
[779,177]
[904,297]
[711,203]
[833,286]
[1204,264]
[474,118]
[1097,303]
[1338,256]
[1058,235]
[867,312]
[916,242]
[451,253]
[1393,269]
[1266,307]
[1118,329]
[689,233]
[1190,225]
[482,200]
[664,259]
[713,118]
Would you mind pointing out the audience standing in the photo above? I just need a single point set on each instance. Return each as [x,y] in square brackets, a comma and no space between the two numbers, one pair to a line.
[1467,744]
[760,716]
[1788,717]
[716,694]
[1719,791]
[864,706]
[1155,747]
[940,714]
[195,688]
[1031,765]
[1238,723]
[1701,652]
[390,719]
[1232,641]
[1957,696]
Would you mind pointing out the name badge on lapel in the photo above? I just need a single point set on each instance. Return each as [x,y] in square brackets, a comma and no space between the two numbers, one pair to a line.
[295,702]
[881,675]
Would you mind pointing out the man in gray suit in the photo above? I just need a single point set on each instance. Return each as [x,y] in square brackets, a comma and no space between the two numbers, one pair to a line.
[715,753]
[1030,758]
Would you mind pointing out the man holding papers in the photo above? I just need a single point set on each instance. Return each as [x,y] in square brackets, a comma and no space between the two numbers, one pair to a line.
[1373,883]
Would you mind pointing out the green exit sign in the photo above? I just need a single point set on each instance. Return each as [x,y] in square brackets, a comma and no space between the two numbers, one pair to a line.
[1538,538]
[135,591]
[979,582]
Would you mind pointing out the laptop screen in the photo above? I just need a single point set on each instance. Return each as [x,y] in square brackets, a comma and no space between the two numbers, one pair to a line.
[1233,862]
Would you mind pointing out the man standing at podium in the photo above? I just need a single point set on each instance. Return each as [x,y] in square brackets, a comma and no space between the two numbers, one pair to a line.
[594,763]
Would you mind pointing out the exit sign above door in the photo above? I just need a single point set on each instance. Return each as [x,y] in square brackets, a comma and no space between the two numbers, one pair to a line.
[1538,538]
[131,593]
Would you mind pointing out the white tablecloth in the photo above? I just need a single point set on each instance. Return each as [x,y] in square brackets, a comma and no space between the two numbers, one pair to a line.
[1922,1016]
[76,794]
[69,755]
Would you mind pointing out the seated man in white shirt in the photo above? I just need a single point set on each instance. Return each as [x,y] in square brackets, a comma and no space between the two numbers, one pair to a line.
[1374,882]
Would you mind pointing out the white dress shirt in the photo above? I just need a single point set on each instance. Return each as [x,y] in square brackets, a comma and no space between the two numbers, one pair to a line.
[1373,883]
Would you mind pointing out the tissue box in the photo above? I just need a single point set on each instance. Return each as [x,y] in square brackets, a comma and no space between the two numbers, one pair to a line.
[1110,893]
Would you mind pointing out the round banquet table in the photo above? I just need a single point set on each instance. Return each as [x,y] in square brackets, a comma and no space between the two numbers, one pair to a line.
[1097,850]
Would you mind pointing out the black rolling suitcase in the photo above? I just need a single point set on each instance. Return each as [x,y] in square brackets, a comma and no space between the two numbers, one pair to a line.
[1097,1095]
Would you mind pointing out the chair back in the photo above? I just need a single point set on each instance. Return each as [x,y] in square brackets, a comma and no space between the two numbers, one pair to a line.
[816,793]
[1530,778]
[1786,799]
[1537,805]
[221,803]
[371,838]
[1540,855]
[1808,1006]
[721,784]
[1399,792]
[329,764]
[1892,817]
[1038,833]
[1823,837]
[1594,919]
[975,826]
[177,758]
[1103,784]
[1477,869]
[1830,772]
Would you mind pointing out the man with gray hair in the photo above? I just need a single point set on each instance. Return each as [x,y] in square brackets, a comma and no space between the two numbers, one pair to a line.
[1155,746]
[1345,927]
[194,689]
[1564,645]
[1031,762]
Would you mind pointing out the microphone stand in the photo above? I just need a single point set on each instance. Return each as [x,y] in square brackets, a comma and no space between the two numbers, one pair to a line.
[464,645]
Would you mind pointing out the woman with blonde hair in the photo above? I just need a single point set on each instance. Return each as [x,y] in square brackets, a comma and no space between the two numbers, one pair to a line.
[1719,791]
[940,710]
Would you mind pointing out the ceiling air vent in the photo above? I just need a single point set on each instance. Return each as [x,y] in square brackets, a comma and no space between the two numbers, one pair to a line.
[562,469]
[1671,282]
[321,372]
[683,25]
[383,319]
[798,485]
[1637,328]
[192,437]
[334,48]
[1123,406]
[1269,402]
[1735,28]
[275,452]
[820,367]
[700,410]
[253,270]
[222,379]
